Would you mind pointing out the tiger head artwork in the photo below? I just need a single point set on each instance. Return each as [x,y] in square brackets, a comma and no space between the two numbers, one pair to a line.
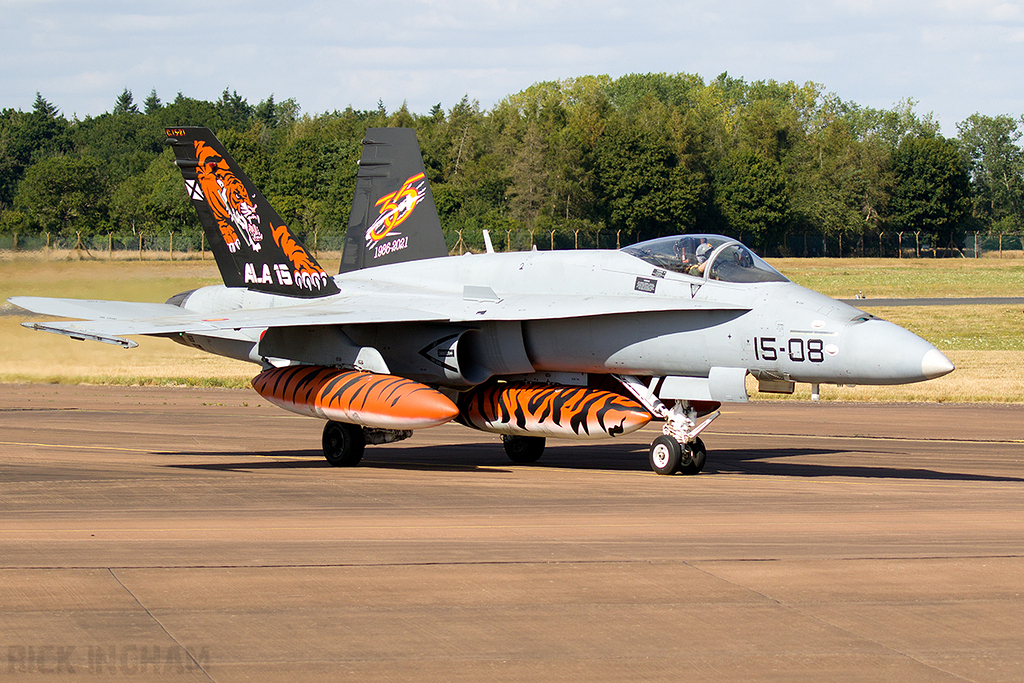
[227,197]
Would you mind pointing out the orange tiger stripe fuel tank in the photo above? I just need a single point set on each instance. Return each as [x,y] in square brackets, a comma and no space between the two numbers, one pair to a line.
[364,398]
[523,409]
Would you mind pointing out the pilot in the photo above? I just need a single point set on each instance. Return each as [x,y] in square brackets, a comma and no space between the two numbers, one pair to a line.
[703,251]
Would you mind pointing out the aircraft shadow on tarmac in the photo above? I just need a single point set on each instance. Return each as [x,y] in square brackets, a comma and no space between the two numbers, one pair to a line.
[457,458]
[489,457]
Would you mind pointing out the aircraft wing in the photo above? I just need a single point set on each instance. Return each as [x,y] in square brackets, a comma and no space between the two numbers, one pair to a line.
[108,321]
[93,309]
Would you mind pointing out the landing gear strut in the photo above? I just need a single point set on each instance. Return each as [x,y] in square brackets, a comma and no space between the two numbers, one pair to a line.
[343,444]
[678,449]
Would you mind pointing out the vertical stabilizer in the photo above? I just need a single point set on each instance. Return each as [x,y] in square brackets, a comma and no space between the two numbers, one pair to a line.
[252,245]
[393,215]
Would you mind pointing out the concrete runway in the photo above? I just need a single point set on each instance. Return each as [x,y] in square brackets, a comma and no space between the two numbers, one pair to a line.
[197,534]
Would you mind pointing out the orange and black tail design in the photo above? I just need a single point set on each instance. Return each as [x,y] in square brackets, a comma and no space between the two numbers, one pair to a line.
[523,409]
[393,217]
[364,398]
[252,245]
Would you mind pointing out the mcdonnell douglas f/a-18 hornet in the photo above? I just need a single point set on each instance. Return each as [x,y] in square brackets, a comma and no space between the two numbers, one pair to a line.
[575,344]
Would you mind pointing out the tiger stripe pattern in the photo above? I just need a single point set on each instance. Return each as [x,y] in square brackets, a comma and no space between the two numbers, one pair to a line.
[364,398]
[524,409]
[307,273]
[225,194]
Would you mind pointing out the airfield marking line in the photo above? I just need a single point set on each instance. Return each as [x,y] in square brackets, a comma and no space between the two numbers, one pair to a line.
[136,450]
[63,445]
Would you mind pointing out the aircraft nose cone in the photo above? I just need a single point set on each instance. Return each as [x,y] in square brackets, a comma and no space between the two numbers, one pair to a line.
[935,364]
[879,352]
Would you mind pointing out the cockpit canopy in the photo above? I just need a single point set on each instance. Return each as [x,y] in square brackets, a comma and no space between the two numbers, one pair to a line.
[712,256]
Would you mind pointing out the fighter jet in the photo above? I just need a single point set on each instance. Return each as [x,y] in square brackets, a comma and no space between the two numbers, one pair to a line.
[571,344]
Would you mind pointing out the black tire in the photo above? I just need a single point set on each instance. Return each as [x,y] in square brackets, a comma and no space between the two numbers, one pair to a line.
[523,450]
[666,455]
[694,457]
[343,444]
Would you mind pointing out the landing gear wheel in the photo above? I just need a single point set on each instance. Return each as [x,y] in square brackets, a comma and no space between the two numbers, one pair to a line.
[666,455]
[343,444]
[694,457]
[523,450]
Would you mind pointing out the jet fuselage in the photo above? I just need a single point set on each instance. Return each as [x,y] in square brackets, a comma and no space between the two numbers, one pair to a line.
[662,323]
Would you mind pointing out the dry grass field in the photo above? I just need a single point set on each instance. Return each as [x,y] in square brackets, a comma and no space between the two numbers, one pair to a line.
[28,356]
[985,342]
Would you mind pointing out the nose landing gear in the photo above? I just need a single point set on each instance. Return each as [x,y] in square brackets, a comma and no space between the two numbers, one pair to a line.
[668,456]
[679,449]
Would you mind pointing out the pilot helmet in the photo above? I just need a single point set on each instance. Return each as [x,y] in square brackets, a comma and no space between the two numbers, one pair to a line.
[702,252]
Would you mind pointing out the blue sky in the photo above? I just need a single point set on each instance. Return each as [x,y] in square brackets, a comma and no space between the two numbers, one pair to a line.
[952,58]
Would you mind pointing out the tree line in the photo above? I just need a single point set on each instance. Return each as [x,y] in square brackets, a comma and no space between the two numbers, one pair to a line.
[630,158]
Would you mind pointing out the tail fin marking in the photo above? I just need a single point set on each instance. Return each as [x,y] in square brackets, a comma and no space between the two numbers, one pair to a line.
[393,216]
[252,245]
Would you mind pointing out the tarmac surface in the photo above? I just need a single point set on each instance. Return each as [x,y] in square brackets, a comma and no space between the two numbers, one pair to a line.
[198,534]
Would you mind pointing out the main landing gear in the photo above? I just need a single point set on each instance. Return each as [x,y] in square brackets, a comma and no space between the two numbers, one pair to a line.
[344,443]
[679,449]
[523,450]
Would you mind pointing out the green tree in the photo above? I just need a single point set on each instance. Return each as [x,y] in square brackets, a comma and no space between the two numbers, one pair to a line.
[155,201]
[834,186]
[752,195]
[185,111]
[646,188]
[125,103]
[528,191]
[313,175]
[932,192]
[152,104]
[233,111]
[126,143]
[251,156]
[26,138]
[996,165]
[64,195]
[892,126]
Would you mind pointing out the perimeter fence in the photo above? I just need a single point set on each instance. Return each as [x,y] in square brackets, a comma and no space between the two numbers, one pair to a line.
[183,246]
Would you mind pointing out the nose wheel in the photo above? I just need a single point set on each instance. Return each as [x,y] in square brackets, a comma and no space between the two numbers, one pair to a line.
[668,456]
